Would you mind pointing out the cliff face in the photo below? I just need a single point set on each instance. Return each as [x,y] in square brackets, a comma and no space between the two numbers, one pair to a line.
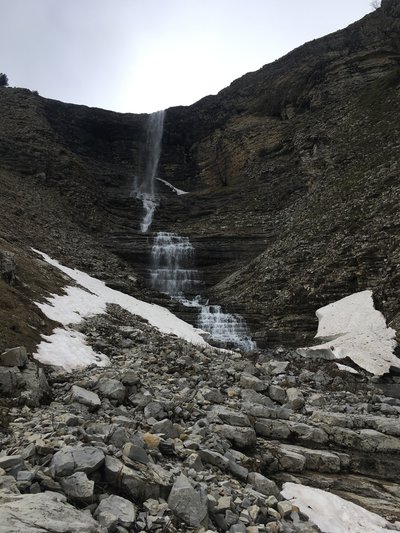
[292,173]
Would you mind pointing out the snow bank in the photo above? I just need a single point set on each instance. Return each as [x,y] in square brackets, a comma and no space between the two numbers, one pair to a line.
[67,348]
[357,330]
[175,189]
[333,514]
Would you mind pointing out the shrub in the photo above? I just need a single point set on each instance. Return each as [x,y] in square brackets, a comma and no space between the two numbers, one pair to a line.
[3,80]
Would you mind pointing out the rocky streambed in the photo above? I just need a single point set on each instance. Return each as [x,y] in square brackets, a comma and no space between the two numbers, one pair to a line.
[172,438]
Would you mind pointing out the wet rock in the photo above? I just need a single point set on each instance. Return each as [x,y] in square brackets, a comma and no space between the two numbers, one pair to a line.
[187,503]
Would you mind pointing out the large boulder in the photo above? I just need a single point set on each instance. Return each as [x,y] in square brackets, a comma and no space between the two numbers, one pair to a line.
[77,459]
[46,512]
[115,511]
[187,503]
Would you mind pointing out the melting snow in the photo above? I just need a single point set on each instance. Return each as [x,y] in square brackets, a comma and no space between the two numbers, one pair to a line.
[67,348]
[333,514]
[357,330]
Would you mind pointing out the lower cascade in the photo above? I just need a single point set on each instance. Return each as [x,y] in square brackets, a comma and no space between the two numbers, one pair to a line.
[171,273]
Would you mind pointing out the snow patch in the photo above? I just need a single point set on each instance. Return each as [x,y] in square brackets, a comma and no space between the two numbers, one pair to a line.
[357,330]
[333,514]
[67,348]
[175,189]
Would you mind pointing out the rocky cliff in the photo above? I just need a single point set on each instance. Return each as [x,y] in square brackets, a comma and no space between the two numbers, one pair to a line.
[292,174]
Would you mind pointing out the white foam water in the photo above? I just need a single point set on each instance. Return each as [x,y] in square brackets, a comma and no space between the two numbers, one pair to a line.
[144,185]
[171,257]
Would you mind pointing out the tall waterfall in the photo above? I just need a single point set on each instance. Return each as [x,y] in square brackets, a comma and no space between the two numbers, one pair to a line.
[144,186]
[171,273]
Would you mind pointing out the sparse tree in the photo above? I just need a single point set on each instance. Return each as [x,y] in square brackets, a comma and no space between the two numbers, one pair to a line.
[3,80]
[375,4]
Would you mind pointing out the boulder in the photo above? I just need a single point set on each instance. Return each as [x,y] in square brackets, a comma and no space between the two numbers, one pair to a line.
[240,437]
[112,389]
[262,484]
[115,511]
[77,459]
[187,503]
[78,487]
[14,357]
[85,397]
[46,512]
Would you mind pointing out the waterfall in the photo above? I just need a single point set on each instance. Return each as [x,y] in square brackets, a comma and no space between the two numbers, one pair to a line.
[225,328]
[144,185]
[171,273]
[171,258]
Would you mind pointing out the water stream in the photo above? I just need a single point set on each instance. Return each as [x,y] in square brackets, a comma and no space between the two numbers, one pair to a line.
[172,272]
[144,187]
[172,256]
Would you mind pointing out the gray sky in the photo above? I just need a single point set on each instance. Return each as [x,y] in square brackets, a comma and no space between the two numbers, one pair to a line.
[144,55]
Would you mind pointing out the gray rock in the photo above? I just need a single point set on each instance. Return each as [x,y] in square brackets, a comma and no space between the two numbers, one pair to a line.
[45,512]
[214,458]
[220,413]
[114,510]
[194,461]
[135,453]
[77,459]
[213,395]
[295,399]
[112,389]
[247,381]
[78,487]
[278,394]
[146,481]
[14,357]
[166,428]
[85,397]
[262,484]
[10,461]
[241,437]
[275,429]
[154,410]
[7,267]
[285,508]
[10,381]
[187,503]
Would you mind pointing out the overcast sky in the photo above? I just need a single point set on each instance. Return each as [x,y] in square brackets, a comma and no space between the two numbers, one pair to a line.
[144,55]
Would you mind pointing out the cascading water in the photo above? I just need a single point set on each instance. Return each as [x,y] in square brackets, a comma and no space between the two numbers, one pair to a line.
[171,260]
[171,269]
[171,273]
[144,186]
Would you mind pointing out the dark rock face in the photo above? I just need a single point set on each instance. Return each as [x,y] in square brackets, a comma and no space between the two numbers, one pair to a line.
[292,174]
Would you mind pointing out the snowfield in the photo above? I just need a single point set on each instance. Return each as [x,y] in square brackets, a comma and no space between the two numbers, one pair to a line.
[357,330]
[67,348]
[333,514]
